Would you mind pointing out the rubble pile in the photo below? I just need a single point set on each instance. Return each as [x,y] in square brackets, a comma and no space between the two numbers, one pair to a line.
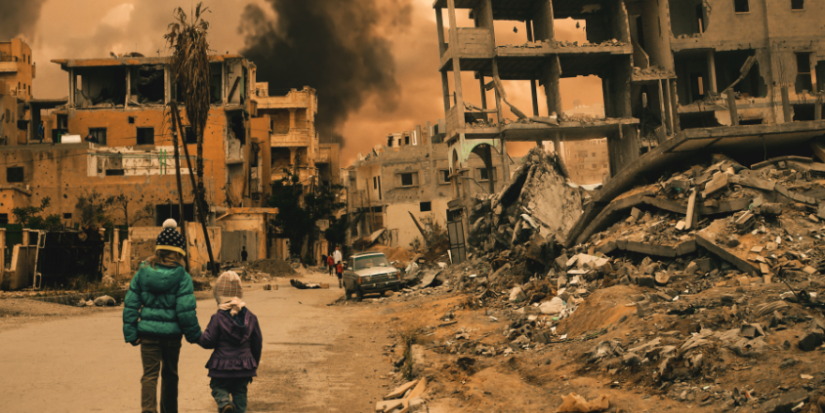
[704,287]
[538,200]
[563,43]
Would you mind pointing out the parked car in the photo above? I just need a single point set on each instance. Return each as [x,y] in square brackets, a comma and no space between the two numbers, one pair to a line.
[370,273]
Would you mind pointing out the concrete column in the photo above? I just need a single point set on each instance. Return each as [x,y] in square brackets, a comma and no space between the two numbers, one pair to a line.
[711,71]
[529,24]
[439,25]
[445,90]
[291,119]
[72,87]
[459,92]
[481,87]
[116,246]
[128,86]
[292,162]
[674,106]
[786,105]
[25,241]
[734,115]
[552,73]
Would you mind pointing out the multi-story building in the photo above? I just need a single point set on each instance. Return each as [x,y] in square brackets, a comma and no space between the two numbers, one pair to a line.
[679,76]
[410,175]
[17,69]
[121,104]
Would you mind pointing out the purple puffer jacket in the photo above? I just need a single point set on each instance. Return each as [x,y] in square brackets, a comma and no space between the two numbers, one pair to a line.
[237,342]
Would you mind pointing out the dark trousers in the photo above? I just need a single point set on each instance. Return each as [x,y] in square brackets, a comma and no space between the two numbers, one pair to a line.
[223,388]
[159,356]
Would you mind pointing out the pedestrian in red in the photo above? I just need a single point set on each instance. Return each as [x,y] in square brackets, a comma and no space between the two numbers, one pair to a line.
[330,264]
[339,270]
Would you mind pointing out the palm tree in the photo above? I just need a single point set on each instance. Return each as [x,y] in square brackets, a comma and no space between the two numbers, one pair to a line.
[191,76]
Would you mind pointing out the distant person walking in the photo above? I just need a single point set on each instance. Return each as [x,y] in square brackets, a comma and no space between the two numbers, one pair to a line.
[41,131]
[235,335]
[158,310]
[339,270]
[244,254]
[339,264]
[331,264]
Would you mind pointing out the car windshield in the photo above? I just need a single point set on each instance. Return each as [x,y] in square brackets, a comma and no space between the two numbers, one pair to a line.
[371,262]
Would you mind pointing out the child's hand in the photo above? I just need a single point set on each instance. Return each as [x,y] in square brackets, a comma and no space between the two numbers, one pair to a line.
[135,343]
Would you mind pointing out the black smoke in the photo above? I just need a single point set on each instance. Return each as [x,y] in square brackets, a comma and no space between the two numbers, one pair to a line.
[18,17]
[338,47]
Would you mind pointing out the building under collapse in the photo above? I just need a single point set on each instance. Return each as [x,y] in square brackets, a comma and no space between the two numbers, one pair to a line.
[678,76]
[295,144]
[410,175]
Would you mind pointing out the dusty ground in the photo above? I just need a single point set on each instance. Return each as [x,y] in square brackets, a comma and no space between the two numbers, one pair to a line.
[535,379]
[316,358]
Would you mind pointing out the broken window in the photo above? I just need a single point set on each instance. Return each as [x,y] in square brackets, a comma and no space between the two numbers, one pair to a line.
[797,4]
[216,83]
[741,6]
[692,76]
[425,207]
[67,215]
[729,69]
[688,17]
[145,136]
[115,172]
[99,134]
[189,135]
[406,140]
[147,85]
[409,179]
[444,174]
[166,211]
[14,174]
[4,219]
[804,81]
[484,174]
[237,129]
[102,87]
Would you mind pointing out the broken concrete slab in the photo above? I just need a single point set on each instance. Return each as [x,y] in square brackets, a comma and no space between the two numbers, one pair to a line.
[719,181]
[706,238]
[400,390]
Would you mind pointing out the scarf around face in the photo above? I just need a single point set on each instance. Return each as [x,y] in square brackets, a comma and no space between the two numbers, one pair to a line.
[234,305]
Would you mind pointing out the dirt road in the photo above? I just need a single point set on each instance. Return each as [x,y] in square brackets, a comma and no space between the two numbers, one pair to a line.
[316,358]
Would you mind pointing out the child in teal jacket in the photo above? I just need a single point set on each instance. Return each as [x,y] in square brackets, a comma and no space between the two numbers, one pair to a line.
[160,309]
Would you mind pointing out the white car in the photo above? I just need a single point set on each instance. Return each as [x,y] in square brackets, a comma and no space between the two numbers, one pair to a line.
[370,273]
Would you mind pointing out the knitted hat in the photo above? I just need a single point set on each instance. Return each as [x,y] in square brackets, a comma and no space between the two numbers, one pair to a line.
[227,286]
[170,239]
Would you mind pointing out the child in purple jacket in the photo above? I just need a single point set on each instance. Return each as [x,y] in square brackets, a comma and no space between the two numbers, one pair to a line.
[236,337]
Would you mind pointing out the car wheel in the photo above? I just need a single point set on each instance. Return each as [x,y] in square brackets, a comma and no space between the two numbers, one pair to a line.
[347,292]
[359,295]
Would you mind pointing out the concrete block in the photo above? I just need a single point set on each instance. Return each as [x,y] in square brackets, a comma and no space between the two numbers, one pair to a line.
[718,182]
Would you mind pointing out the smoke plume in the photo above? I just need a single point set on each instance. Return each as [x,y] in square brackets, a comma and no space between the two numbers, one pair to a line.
[18,17]
[340,48]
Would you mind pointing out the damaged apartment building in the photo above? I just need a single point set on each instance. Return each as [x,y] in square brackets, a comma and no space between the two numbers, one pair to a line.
[16,74]
[410,176]
[678,76]
[295,144]
[113,136]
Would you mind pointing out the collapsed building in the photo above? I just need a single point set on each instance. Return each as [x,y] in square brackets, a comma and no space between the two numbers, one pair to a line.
[395,188]
[678,78]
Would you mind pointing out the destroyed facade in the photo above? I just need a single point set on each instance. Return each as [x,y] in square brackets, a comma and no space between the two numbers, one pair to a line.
[689,75]
[410,175]
[295,144]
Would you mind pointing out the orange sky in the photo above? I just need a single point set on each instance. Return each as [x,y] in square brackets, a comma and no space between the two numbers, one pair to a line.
[93,28]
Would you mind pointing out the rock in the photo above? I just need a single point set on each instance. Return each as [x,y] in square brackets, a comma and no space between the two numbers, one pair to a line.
[645,281]
[631,359]
[811,340]
[662,277]
[90,303]
[785,402]
[517,295]
[691,268]
[418,405]
[105,301]
[554,306]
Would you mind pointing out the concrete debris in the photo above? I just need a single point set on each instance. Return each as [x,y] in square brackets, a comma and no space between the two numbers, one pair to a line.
[573,403]
[105,301]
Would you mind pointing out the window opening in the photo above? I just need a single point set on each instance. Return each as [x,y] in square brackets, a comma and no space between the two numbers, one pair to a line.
[145,136]
[99,135]
[425,207]
[803,73]
[797,4]
[741,6]
[15,174]
[407,179]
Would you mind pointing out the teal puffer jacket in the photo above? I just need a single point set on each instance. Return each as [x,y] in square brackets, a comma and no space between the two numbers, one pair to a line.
[161,304]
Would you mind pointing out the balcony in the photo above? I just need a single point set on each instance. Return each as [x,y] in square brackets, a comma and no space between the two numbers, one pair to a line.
[293,138]
[472,44]
[8,67]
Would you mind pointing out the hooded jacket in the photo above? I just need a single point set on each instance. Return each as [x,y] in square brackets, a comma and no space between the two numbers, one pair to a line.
[237,342]
[160,304]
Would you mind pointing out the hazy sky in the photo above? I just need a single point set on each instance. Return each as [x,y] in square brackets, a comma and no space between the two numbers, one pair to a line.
[94,28]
